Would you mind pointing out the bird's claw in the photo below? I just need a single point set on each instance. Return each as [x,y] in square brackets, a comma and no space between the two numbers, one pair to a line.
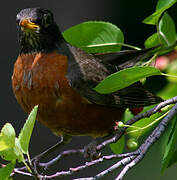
[90,151]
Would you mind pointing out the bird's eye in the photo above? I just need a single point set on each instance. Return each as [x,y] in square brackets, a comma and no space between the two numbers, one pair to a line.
[47,20]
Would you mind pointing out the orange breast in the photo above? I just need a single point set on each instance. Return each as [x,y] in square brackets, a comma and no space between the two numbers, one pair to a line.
[41,79]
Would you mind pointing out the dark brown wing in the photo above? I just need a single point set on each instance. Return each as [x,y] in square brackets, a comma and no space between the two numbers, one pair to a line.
[135,96]
[85,72]
[127,58]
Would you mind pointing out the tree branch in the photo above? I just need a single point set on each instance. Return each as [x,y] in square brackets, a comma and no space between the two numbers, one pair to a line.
[154,136]
[128,160]
[135,119]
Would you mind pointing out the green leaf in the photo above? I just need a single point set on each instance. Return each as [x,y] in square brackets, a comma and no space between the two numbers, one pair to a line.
[8,154]
[118,147]
[165,4]
[95,36]
[7,137]
[152,41]
[124,78]
[6,171]
[8,144]
[153,19]
[136,132]
[25,134]
[13,153]
[162,5]
[170,146]
[167,30]
[18,151]
[168,91]
[173,159]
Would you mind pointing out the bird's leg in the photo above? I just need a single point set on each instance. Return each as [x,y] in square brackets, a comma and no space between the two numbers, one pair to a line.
[64,140]
[90,150]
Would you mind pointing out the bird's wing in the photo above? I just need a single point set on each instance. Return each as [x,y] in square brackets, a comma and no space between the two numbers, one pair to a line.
[126,58]
[135,96]
[85,72]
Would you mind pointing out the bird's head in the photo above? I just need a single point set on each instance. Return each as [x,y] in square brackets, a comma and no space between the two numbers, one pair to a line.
[35,19]
[37,30]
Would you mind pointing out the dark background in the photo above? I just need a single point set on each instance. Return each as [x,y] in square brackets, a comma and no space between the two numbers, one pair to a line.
[127,15]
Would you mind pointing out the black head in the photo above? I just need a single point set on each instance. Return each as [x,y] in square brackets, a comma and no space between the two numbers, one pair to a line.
[38,31]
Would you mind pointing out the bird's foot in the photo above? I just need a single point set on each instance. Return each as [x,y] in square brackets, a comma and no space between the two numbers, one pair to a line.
[90,151]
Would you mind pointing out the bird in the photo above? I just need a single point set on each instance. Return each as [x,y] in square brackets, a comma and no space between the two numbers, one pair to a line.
[60,79]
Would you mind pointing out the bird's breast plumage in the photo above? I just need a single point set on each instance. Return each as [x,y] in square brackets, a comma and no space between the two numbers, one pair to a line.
[38,78]
[42,79]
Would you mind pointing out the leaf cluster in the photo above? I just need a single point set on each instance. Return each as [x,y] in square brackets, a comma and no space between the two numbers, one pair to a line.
[14,148]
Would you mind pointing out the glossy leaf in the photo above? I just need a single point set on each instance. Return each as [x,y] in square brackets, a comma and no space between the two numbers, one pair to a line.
[135,132]
[167,30]
[152,41]
[165,4]
[125,78]
[7,137]
[153,19]
[162,5]
[118,147]
[170,146]
[95,36]
[8,144]
[25,134]
[18,151]
[13,153]
[8,154]
[6,171]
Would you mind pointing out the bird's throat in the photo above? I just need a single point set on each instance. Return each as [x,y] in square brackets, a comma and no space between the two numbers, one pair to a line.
[33,42]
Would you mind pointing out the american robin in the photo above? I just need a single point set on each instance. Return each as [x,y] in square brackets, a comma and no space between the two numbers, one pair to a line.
[60,78]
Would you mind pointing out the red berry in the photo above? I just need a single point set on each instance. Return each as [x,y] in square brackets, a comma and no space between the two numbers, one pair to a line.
[136,111]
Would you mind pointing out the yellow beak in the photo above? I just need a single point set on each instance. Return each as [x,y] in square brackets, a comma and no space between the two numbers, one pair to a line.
[27,24]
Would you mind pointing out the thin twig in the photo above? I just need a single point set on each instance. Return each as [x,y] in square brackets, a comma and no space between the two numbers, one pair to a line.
[61,155]
[17,171]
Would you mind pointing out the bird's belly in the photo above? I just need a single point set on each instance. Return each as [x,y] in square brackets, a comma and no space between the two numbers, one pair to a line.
[84,119]
[64,115]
